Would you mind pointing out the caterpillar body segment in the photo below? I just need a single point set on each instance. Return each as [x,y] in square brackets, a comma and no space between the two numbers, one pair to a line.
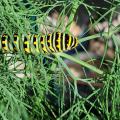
[35,44]
[4,43]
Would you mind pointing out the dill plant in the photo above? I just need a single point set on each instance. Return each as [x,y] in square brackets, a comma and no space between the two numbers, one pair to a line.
[35,97]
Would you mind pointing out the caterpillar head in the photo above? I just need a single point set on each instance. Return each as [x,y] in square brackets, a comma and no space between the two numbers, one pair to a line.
[75,43]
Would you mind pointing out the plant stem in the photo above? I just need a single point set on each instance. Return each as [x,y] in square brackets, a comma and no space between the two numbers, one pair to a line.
[64,55]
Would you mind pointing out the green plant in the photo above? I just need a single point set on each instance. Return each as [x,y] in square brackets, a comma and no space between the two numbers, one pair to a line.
[30,97]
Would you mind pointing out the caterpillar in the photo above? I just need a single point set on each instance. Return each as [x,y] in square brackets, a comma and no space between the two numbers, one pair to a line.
[33,43]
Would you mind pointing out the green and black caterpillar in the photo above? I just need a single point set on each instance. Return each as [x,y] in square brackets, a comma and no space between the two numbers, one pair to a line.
[33,43]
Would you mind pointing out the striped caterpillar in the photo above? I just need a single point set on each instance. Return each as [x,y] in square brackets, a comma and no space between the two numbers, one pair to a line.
[51,43]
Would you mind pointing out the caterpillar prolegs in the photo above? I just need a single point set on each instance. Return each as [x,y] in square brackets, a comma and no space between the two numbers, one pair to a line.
[33,43]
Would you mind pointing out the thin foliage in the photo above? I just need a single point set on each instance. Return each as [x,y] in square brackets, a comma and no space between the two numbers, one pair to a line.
[41,93]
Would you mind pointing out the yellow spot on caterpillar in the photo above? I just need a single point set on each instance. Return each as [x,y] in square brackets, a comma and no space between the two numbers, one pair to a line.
[51,48]
[69,41]
[68,45]
[35,36]
[57,46]
[76,42]
[49,41]
[4,42]
[42,42]
[35,43]
[44,49]
[5,48]
[26,42]
[58,40]
[27,50]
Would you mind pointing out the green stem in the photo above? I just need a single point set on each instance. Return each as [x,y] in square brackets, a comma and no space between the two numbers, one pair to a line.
[89,38]
[104,34]
[81,63]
